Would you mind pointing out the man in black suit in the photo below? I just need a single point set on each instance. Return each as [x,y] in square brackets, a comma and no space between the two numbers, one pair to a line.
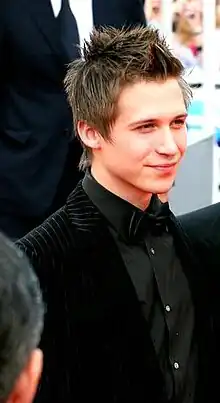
[38,164]
[130,315]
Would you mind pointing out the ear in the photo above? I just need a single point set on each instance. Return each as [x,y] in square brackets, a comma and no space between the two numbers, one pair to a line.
[88,135]
[26,385]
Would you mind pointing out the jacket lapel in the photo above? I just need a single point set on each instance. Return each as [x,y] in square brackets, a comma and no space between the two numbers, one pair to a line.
[94,239]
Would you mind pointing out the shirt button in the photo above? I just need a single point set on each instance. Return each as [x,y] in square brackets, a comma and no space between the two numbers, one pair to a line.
[167,307]
[152,251]
[176,365]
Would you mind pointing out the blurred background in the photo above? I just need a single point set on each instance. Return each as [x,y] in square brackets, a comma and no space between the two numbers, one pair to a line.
[192,28]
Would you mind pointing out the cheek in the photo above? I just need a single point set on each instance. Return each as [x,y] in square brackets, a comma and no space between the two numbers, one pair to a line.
[121,152]
[139,149]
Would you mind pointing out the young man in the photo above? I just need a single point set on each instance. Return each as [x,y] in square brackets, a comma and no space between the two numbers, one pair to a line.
[21,323]
[129,315]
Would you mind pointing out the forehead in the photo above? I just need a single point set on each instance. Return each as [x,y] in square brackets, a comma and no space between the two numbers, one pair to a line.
[145,100]
[194,5]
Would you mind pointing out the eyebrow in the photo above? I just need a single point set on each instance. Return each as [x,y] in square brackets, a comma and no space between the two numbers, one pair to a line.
[156,119]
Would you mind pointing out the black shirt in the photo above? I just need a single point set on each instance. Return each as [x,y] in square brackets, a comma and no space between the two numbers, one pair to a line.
[148,250]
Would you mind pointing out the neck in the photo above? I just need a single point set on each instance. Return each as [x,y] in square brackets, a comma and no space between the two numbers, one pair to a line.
[122,189]
[163,197]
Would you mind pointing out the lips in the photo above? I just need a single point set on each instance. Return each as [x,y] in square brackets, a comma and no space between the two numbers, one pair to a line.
[164,167]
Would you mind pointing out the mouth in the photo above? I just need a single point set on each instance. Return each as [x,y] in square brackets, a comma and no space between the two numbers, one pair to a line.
[164,167]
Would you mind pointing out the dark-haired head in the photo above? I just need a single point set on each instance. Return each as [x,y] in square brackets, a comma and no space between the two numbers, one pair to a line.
[21,323]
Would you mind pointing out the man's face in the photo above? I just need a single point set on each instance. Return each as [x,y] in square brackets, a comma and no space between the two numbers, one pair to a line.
[148,139]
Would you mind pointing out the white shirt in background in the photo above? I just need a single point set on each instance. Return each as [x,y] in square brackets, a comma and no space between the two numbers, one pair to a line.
[82,10]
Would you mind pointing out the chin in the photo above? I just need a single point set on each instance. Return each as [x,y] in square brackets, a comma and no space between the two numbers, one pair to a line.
[162,188]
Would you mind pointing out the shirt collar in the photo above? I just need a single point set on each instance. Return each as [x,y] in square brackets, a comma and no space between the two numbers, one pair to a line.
[128,221]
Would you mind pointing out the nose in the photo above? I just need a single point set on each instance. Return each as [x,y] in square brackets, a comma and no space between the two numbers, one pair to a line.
[166,142]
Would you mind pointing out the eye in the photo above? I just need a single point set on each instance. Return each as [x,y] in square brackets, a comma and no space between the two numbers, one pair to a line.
[178,123]
[147,127]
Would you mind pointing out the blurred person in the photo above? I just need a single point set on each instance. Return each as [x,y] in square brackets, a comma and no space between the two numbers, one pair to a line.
[21,322]
[218,15]
[38,160]
[217,37]
[192,12]
[129,310]
[183,37]
[153,13]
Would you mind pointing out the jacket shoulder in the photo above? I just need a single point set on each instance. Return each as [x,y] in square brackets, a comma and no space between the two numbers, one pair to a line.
[52,238]
[203,229]
[203,223]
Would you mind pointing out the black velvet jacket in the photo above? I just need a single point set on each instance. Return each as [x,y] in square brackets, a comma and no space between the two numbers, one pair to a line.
[96,343]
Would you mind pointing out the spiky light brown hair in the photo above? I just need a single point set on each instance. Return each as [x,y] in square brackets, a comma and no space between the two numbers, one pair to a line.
[112,59]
